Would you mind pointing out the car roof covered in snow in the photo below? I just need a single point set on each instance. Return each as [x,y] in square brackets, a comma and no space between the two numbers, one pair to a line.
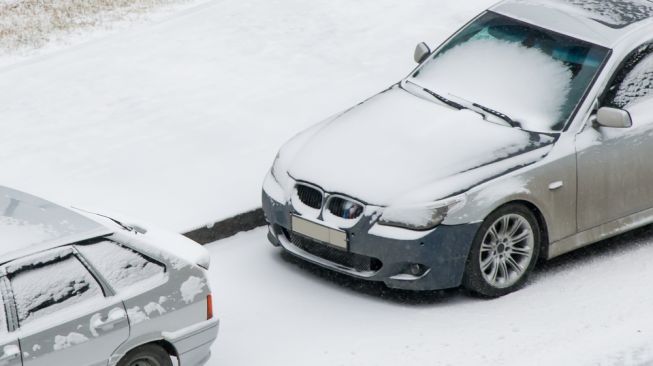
[603,22]
[29,224]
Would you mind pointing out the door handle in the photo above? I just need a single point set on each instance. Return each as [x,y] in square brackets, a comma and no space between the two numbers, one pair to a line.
[109,323]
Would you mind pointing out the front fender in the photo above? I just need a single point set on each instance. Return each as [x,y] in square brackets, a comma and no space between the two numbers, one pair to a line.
[549,185]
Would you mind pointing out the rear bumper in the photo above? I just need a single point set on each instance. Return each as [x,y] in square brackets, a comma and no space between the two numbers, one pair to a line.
[443,251]
[193,344]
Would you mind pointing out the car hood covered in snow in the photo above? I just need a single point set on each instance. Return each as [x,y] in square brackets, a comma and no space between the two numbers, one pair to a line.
[26,221]
[395,144]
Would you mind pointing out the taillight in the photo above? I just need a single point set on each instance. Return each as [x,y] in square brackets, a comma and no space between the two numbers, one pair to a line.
[209,307]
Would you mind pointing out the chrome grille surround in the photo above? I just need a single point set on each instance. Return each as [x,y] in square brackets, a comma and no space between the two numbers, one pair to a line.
[310,195]
[344,207]
[309,200]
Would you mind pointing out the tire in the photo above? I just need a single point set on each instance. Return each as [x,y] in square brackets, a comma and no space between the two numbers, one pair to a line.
[147,355]
[504,252]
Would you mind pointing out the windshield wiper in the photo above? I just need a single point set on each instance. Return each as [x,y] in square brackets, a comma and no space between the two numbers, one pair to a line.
[459,106]
[496,113]
[439,97]
[444,100]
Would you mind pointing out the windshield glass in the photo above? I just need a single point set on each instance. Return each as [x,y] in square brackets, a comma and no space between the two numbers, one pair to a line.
[532,75]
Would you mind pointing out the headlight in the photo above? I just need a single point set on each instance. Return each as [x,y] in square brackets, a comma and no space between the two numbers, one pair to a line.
[279,173]
[421,217]
[274,171]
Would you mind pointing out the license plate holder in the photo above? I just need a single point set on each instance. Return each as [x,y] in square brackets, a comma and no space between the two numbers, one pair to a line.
[321,233]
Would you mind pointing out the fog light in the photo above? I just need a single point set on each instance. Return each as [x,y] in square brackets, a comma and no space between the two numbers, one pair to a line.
[417,269]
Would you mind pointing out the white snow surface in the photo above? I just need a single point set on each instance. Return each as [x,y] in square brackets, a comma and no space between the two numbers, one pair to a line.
[72,339]
[637,85]
[16,232]
[136,315]
[590,308]
[121,267]
[192,287]
[395,143]
[64,284]
[178,120]
[618,13]
[524,83]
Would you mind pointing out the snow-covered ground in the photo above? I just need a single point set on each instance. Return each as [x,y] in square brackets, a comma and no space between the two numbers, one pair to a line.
[177,120]
[589,308]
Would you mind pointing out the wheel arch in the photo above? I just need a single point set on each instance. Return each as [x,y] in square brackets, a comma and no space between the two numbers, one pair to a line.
[541,221]
[169,347]
[161,342]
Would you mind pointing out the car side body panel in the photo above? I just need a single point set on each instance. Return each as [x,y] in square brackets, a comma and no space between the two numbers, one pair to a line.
[178,303]
[548,185]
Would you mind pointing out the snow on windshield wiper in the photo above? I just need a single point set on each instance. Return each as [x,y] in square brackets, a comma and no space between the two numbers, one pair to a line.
[439,97]
[445,100]
[491,111]
[496,113]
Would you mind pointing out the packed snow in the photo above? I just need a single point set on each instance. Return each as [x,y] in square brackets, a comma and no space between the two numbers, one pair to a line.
[525,83]
[26,220]
[30,27]
[192,287]
[44,290]
[177,121]
[614,12]
[394,143]
[121,267]
[136,315]
[72,339]
[96,321]
[588,308]
[638,83]
[20,232]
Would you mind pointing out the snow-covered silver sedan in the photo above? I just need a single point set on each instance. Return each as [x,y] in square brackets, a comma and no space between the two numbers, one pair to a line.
[526,135]
[83,289]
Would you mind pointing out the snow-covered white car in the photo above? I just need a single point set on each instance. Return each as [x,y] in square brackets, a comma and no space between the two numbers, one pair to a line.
[83,289]
[526,135]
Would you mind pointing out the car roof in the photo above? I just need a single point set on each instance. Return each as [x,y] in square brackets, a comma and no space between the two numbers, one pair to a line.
[603,22]
[29,224]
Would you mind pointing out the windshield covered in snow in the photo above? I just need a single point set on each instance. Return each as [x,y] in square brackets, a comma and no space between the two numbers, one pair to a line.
[533,76]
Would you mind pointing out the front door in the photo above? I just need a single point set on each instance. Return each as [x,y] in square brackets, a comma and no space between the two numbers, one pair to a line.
[615,166]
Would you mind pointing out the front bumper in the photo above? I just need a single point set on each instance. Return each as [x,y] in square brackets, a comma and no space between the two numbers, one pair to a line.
[442,252]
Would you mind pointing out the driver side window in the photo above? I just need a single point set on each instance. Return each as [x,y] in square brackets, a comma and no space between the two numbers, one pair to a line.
[634,81]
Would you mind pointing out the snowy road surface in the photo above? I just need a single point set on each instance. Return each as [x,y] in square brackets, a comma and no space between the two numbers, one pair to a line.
[177,121]
[594,307]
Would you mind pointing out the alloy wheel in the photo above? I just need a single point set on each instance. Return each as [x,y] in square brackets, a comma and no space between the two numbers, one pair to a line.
[506,250]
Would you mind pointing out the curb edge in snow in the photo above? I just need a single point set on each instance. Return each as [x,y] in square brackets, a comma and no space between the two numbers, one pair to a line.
[228,227]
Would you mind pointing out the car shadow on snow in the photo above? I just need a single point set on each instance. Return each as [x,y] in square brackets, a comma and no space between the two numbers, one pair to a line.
[619,244]
[605,248]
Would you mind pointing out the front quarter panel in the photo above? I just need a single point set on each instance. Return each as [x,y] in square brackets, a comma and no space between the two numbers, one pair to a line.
[549,185]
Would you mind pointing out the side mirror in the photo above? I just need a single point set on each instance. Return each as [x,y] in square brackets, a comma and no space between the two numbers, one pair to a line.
[614,118]
[422,51]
